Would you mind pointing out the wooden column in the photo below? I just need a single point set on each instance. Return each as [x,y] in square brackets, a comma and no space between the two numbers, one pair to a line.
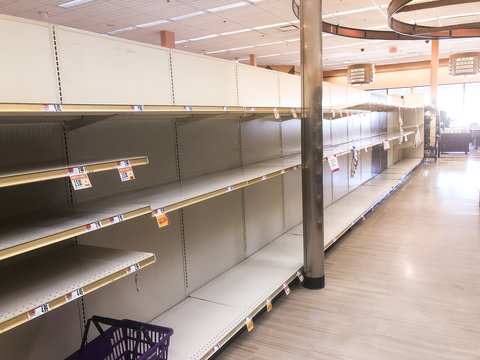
[434,72]
[253,60]
[167,39]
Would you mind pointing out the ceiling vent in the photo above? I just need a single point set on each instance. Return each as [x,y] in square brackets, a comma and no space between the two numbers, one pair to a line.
[286,28]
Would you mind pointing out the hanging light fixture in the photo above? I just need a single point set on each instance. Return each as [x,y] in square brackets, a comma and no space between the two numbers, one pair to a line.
[464,64]
[360,74]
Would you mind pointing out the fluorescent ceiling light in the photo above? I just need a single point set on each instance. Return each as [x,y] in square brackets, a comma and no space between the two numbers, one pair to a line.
[241,48]
[180,41]
[226,7]
[121,30]
[355,11]
[265,56]
[153,23]
[272,43]
[73,3]
[204,37]
[235,32]
[187,16]
[270,26]
[292,40]
[215,52]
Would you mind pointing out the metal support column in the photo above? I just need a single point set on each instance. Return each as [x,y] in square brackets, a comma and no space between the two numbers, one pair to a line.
[312,142]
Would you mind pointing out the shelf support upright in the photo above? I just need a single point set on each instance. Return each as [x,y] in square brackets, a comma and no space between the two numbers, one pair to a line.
[312,143]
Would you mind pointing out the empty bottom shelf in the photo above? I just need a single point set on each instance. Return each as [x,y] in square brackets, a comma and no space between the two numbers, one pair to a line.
[215,312]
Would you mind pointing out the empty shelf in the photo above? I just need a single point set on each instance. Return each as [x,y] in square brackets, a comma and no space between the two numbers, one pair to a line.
[346,148]
[216,311]
[345,212]
[28,232]
[35,175]
[45,283]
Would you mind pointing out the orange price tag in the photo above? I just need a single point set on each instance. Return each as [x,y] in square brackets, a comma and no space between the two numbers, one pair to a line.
[79,178]
[276,113]
[249,323]
[269,304]
[162,218]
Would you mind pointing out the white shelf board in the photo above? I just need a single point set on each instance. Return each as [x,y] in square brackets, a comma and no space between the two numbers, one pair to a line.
[28,232]
[213,311]
[343,213]
[345,148]
[47,279]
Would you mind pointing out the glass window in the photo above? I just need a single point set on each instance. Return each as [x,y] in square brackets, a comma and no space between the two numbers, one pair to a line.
[425,90]
[399,91]
[472,97]
[378,92]
[450,99]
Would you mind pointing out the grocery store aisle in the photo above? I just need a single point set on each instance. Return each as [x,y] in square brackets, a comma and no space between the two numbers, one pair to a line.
[405,284]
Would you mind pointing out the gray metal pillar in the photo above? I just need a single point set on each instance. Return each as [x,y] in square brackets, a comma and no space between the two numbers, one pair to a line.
[312,142]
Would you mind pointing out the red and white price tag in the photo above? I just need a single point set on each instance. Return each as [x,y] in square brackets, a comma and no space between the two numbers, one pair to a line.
[269,304]
[225,108]
[333,162]
[162,217]
[253,109]
[133,268]
[115,219]
[405,138]
[294,113]
[386,145]
[43,309]
[276,113]
[79,178]
[51,107]
[93,226]
[249,323]
[125,170]
[230,188]
[286,289]
[187,108]
[215,348]
[300,276]
[282,172]
[137,108]
[264,177]
[74,295]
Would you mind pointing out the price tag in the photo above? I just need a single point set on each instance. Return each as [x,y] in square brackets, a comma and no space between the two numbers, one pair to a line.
[405,138]
[333,113]
[386,145]
[230,188]
[295,167]
[333,162]
[252,109]
[125,170]
[115,219]
[43,309]
[187,108]
[300,276]
[366,149]
[215,348]
[136,108]
[269,304]
[52,107]
[276,113]
[79,178]
[294,113]
[264,177]
[249,323]
[74,295]
[225,108]
[286,289]
[282,172]
[162,218]
[93,226]
[133,268]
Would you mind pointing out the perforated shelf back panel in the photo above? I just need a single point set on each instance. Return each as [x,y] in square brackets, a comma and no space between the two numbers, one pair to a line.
[27,62]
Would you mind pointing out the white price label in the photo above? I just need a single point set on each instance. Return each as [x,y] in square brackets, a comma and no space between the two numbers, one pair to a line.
[300,276]
[276,113]
[159,211]
[115,219]
[333,162]
[43,309]
[386,145]
[52,107]
[187,108]
[366,149]
[125,170]
[93,226]
[79,178]
[215,348]
[264,177]
[74,295]
[294,113]
[286,289]
[230,188]
[133,268]
[405,138]
[137,108]
[282,172]
[252,109]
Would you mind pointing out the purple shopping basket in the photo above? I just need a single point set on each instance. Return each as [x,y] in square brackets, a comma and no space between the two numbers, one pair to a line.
[124,340]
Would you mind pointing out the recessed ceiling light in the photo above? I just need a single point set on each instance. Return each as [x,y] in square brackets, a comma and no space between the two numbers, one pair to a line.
[187,16]
[270,26]
[73,3]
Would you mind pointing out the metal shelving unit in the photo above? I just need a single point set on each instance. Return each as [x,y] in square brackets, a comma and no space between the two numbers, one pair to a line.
[48,282]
